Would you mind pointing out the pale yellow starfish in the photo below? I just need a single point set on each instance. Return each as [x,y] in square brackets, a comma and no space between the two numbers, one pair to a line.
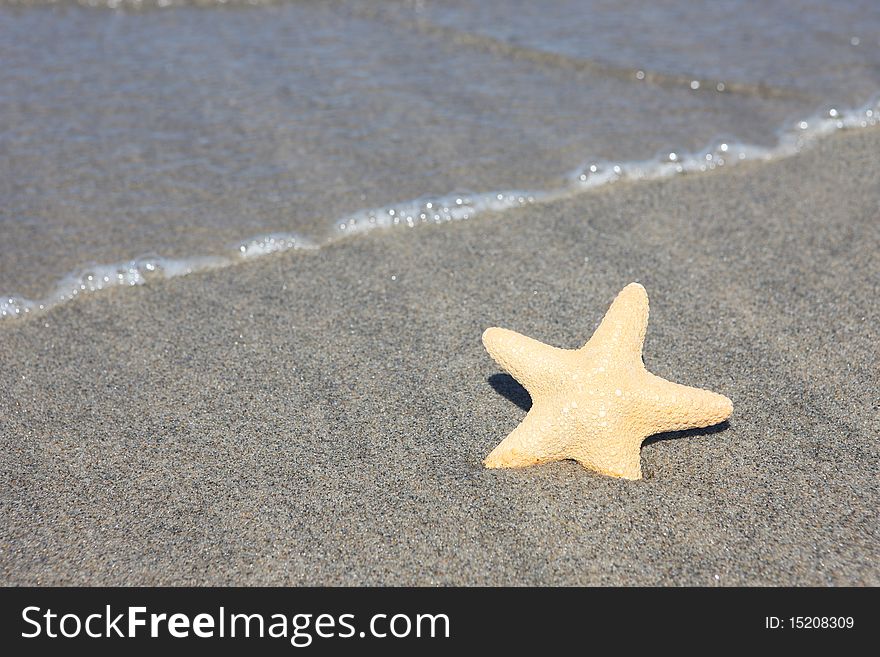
[598,403]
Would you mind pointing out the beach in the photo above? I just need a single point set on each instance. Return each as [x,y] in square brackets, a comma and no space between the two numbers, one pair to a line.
[319,417]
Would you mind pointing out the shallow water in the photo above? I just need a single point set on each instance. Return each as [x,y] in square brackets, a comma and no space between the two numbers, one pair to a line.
[164,140]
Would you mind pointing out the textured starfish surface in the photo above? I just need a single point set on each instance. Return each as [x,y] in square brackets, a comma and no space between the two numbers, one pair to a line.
[598,403]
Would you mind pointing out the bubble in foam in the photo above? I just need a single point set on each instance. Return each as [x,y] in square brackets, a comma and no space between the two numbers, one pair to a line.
[14,306]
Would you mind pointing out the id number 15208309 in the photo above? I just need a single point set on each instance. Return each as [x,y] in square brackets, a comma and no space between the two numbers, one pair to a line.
[809,622]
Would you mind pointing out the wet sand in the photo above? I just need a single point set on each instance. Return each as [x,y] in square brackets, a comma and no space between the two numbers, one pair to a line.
[320,417]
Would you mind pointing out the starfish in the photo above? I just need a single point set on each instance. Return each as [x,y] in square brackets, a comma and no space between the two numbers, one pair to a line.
[598,403]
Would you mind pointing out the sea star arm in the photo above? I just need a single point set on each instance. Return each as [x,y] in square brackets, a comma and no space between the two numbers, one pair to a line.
[614,451]
[532,363]
[539,438]
[668,406]
[622,331]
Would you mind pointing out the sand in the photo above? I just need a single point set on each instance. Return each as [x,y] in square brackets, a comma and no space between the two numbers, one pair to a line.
[320,417]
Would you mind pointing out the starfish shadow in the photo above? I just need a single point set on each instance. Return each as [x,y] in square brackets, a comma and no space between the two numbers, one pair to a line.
[506,386]
[675,435]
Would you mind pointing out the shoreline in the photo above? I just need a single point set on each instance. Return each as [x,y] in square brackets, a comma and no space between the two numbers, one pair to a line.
[793,140]
[320,417]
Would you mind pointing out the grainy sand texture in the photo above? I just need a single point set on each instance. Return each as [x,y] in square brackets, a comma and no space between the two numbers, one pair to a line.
[320,417]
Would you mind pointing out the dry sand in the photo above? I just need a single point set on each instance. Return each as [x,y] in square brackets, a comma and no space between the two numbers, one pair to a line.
[319,418]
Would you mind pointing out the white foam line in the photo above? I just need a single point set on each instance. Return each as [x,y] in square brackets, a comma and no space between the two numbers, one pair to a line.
[143,270]
[436,210]
[445,209]
[727,153]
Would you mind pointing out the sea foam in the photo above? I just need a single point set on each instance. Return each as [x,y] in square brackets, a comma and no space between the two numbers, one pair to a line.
[445,209]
